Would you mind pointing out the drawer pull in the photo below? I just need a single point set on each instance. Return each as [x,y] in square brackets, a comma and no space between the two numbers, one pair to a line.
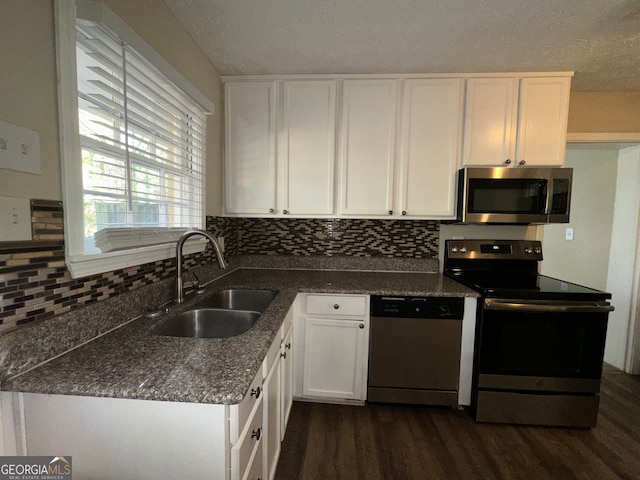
[283,354]
[361,325]
[255,392]
[336,306]
[256,434]
[287,346]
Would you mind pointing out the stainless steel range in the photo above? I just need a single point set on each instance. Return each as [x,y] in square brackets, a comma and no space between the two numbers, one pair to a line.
[539,340]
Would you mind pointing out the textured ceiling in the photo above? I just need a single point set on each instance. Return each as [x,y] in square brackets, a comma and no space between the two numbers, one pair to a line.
[598,39]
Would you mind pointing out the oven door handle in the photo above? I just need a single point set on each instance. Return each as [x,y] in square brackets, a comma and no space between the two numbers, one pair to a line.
[550,307]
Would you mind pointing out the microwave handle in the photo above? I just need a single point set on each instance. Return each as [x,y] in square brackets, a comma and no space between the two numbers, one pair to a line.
[547,191]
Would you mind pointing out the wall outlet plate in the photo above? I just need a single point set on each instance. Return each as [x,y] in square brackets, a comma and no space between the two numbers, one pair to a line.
[19,149]
[15,218]
[568,233]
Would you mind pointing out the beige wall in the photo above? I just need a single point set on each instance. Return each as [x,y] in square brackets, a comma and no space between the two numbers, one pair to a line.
[28,93]
[585,260]
[604,112]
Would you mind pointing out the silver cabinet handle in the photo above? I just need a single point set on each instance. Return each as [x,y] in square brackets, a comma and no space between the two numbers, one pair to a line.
[285,211]
[361,325]
[390,212]
[255,392]
[271,210]
[283,354]
[336,306]
[256,434]
[287,346]
[521,162]
[404,212]
[507,161]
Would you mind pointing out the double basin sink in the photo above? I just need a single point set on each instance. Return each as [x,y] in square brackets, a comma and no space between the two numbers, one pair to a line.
[226,313]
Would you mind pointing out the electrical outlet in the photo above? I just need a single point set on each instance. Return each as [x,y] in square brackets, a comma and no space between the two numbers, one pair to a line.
[568,233]
[15,218]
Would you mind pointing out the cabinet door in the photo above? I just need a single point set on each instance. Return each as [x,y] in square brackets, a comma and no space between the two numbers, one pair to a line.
[490,121]
[333,359]
[250,149]
[272,422]
[286,366]
[367,146]
[307,147]
[542,121]
[429,147]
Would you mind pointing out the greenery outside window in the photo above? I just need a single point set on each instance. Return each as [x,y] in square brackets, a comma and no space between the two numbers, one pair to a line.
[134,169]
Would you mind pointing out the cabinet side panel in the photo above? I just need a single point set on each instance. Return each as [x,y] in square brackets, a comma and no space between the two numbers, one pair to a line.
[117,438]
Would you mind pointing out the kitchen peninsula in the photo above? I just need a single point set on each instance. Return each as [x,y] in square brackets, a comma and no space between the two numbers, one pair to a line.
[177,394]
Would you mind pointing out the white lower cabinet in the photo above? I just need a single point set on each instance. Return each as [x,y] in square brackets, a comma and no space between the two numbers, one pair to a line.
[286,369]
[115,438]
[331,354]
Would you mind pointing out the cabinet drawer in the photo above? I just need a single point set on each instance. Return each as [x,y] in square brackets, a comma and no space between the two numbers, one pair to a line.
[240,413]
[336,304]
[250,440]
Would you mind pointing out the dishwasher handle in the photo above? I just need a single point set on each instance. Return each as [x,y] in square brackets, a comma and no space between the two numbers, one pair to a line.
[547,306]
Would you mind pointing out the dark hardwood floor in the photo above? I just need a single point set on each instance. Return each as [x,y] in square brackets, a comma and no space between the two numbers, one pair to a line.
[333,442]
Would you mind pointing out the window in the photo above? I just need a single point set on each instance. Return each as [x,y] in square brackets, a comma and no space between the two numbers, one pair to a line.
[134,167]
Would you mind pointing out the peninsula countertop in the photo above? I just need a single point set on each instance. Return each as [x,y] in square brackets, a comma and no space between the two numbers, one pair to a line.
[130,362]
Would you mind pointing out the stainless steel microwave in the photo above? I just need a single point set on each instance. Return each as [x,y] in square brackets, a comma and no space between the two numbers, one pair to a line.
[517,195]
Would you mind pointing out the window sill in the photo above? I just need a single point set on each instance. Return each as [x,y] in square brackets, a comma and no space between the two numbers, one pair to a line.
[85,265]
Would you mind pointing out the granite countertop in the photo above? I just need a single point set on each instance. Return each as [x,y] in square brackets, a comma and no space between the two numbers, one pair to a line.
[130,362]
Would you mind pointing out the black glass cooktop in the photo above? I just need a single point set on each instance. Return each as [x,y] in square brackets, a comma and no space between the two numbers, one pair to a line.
[526,286]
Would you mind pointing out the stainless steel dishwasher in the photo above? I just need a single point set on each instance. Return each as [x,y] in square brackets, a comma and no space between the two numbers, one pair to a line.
[414,350]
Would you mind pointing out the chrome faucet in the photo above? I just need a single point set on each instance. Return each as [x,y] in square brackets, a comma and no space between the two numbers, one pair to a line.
[185,236]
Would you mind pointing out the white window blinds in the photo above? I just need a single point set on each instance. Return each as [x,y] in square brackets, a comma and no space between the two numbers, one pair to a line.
[142,141]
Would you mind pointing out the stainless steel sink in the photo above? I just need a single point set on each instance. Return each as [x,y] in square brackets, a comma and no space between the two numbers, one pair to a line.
[240,299]
[208,323]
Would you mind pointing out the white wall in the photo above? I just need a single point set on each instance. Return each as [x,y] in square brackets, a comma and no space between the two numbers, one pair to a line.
[585,259]
[622,280]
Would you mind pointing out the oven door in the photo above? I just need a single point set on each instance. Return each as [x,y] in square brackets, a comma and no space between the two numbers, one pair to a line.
[539,363]
[538,345]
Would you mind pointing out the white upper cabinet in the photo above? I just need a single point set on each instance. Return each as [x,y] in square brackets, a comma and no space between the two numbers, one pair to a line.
[307,147]
[490,117]
[367,147]
[381,147]
[542,122]
[516,121]
[250,147]
[429,147]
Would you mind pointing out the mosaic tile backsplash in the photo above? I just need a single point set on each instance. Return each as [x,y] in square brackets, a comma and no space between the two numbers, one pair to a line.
[35,283]
[330,237]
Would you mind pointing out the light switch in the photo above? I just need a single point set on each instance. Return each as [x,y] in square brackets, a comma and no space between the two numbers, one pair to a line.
[568,233]
[15,219]
[19,148]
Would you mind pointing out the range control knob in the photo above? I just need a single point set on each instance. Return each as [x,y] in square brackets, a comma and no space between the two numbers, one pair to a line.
[538,251]
[463,249]
[454,249]
[528,250]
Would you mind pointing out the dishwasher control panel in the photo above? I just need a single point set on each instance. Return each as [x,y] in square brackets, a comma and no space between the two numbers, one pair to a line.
[417,307]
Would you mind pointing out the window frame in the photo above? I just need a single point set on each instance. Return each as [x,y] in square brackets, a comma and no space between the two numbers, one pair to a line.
[79,263]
